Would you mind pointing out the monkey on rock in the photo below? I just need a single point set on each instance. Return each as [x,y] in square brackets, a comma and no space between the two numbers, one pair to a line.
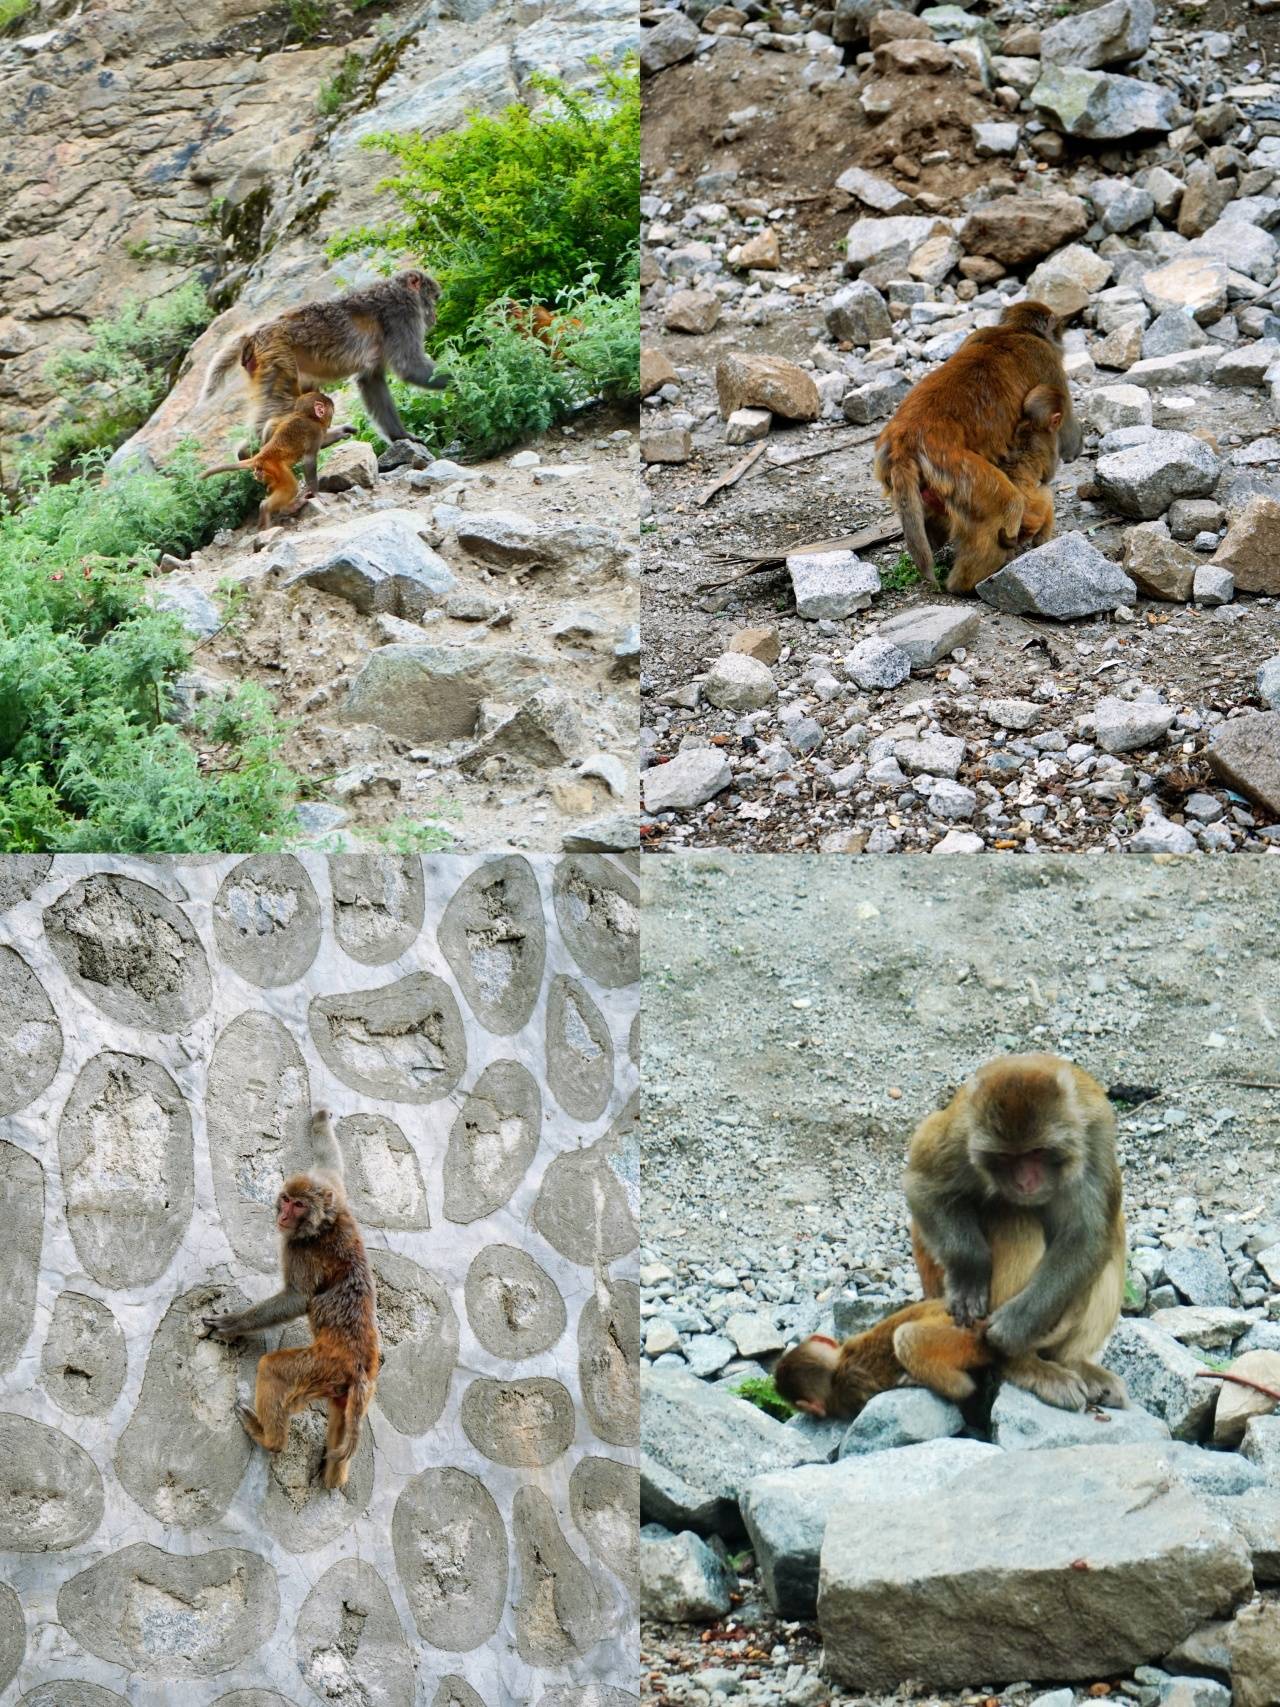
[299,436]
[326,1278]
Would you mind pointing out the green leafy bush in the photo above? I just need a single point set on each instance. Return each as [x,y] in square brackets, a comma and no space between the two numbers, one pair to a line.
[520,206]
[901,573]
[339,88]
[11,11]
[508,386]
[87,760]
[129,366]
[765,1397]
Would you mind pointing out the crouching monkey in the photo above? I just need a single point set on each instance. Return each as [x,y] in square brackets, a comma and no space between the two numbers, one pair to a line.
[917,1346]
[1015,1196]
[326,1278]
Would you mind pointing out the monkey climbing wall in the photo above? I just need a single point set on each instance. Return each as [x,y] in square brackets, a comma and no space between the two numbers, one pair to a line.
[165,1029]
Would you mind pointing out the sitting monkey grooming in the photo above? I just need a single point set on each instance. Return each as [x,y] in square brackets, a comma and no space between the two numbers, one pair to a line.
[1015,1196]
[938,457]
[326,1278]
[299,436]
[916,1346]
[364,333]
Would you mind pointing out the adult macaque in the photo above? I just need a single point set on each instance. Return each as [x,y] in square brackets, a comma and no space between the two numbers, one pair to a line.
[299,436]
[938,457]
[363,333]
[326,1278]
[1015,1196]
[918,1345]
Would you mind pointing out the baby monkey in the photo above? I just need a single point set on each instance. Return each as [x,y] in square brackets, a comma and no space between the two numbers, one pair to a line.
[917,1346]
[299,436]
[1032,461]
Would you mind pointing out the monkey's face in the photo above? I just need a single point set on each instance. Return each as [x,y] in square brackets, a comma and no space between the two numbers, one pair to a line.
[291,1212]
[803,1374]
[304,1207]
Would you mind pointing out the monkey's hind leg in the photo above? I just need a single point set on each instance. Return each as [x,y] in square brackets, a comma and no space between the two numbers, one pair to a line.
[1037,518]
[275,1398]
[938,1355]
[1054,1383]
[988,510]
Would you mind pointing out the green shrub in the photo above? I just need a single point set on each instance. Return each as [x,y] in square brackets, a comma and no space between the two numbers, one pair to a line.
[11,11]
[521,205]
[129,366]
[765,1397]
[342,85]
[508,386]
[87,761]
[900,573]
[306,18]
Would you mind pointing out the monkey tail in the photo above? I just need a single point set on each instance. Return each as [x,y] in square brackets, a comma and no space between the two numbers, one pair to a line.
[359,1398]
[226,468]
[904,485]
[228,356]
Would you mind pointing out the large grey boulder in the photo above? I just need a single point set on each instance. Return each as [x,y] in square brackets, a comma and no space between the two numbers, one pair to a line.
[1065,578]
[701,1446]
[1163,1377]
[786,1511]
[381,564]
[1107,35]
[1074,1563]
[1144,479]
[682,1580]
[1102,106]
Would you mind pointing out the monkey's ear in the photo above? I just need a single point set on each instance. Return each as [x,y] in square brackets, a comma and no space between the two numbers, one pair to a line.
[318,410]
[1055,420]
[824,1339]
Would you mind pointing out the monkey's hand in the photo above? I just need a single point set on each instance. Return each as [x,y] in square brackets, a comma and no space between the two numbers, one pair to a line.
[224,1328]
[967,1298]
[1009,1330]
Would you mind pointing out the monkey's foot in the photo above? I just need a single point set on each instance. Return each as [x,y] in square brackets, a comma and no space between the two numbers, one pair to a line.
[335,1473]
[1051,1382]
[1104,1388]
[214,1329]
[252,1427]
[967,1304]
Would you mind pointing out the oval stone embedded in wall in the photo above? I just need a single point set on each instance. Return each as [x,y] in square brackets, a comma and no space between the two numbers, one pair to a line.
[420,1342]
[13,1635]
[50,1488]
[582,1208]
[349,1644]
[403,1042]
[378,904]
[598,908]
[30,1038]
[299,1510]
[609,1361]
[22,1217]
[65,1692]
[492,1141]
[163,1614]
[451,1556]
[455,1692]
[83,1361]
[383,1178]
[579,1051]
[266,920]
[124,1143]
[493,936]
[513,1305]
[131,952]
[604,1497]
[524,1424]
[560,1612]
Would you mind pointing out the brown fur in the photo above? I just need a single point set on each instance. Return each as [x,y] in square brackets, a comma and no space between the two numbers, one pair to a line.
[938,458]
[919,1346]
[299,436]
[1015,1195]
[363,333]
[1032,460]
[327,1276]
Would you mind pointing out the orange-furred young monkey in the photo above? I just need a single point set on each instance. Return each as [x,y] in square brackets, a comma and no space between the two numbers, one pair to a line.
[363,333]
[938,457]
[918,1346]
[299,436]
[1015,1197]
[326,1278]
[1032,461]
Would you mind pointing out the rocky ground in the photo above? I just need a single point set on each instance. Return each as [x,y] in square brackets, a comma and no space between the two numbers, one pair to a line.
[451,645]
[834,199]
[780,1094]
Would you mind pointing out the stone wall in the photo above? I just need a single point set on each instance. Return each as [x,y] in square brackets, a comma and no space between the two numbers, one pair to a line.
[165,1029]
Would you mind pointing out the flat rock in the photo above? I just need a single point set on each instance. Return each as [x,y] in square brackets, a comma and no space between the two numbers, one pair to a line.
[1190,284]
[929,633]
[786,1511]
[1022,1423]
[932,755]
[1213,585]
[687,780]
[349,466]
[691,311]
[1121,725]
[952,1586]
[888,244]
[1206,1325]
[766,382]
[701,1446]
[1251,546]
[655,372]
[906,1416]
[1200,1275]
[857,314]
[1070,279]
[1067,577]
[433,693]
[674,39]
[1162,1376]
[1161,568]
[1016,230]
[1105,35]
[1237,1404]
[380,564]
[1245,753]
[831,583]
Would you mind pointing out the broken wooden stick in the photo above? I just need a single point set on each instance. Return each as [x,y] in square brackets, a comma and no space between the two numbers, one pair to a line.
[882,533]
[733,476]
[1240,1381]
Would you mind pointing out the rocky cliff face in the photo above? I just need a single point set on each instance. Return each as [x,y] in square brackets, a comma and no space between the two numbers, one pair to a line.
[142,143]
[472,1024]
